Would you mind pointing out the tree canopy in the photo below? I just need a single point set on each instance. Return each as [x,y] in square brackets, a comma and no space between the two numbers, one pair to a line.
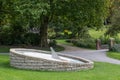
[114,29]
[72,14]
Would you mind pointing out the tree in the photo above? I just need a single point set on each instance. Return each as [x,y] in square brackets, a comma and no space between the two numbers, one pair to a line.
[70,13]
[114,29]
[83,14]
[4,11]
[8,13]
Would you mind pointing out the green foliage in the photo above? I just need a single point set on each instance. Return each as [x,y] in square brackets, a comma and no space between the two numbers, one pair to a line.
[85,43]
[57,36]
[6,7]
[11,34]
[52,43]
[115,48]
[17,32]
[79,18]
[117,39]
[16,35]
[96,34]
[74,15]
[31,39]
[4,49]
[104,39]
[114,29]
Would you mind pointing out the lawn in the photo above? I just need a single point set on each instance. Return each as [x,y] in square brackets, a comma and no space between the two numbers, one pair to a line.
[63,41]
[114,55]
[102,71]
[5,49]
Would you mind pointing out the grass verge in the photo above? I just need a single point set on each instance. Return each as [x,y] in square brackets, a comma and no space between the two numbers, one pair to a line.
[114,55]
[63,41]
[5,49]
[102,71]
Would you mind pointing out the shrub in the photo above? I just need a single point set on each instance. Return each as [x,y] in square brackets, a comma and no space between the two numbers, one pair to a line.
[17,32]
[16,35]
[56,36]
[31,38]
[115,48]
[5,36]
[104,39]
[69,40]
[52,43]
[85,43]
[13,34]
[117,40]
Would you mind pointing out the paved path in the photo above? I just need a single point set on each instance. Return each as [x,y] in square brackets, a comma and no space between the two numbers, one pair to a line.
[94,55]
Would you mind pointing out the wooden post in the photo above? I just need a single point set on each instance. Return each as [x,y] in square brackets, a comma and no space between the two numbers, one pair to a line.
[98,44]
[111,43]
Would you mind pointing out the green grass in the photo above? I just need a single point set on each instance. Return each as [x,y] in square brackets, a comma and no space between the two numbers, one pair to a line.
[102,71]
[63,41]
[59,48]
[114,55]
[4,49]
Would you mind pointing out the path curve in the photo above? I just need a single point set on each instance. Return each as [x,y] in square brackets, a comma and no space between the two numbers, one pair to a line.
[94,55]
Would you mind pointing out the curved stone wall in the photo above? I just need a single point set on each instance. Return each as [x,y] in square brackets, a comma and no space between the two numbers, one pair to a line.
[32,63]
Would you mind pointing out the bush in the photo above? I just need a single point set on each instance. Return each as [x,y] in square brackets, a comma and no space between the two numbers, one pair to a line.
[104,39]
[85,43]
[5,36]
[115,48]
[16,35]
[12,35]
[56,36]
[31,39]
[52,43]
[17,32]
[69,40]
[117,40]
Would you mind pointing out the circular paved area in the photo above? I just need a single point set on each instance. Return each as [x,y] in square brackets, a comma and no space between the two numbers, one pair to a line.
[94,55]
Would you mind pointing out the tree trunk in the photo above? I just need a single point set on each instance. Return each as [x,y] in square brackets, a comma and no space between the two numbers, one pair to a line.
[43,33]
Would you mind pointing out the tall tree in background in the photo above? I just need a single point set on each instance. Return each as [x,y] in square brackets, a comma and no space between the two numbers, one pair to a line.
[114,29]
[5,11]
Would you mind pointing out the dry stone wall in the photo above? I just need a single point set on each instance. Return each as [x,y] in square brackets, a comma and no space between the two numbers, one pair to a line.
[32,63]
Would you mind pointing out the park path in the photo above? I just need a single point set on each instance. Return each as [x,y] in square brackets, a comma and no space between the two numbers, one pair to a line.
[94,55]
